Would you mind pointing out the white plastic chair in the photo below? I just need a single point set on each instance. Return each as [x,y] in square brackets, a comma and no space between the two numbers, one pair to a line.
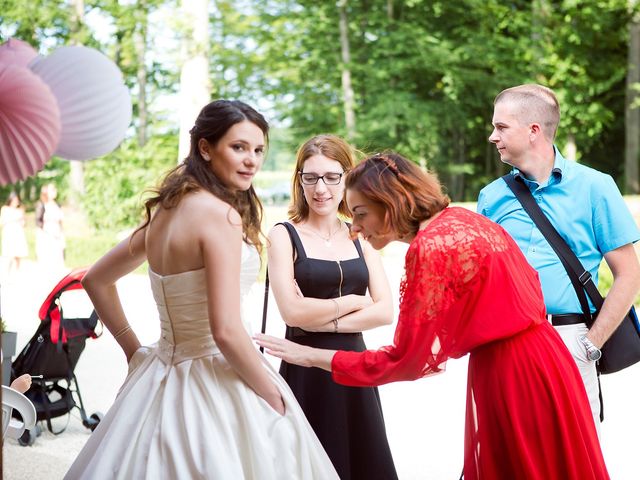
[12,427]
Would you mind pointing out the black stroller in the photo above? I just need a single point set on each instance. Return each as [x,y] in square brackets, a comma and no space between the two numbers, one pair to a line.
[53,352]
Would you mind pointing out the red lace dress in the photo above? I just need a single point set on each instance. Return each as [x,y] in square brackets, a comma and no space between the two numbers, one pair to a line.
[469,289]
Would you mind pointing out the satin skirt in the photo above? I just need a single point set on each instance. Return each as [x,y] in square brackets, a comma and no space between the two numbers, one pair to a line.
[184,413]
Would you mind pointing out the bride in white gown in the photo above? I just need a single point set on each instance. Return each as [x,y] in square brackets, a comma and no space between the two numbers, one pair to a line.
[201,402]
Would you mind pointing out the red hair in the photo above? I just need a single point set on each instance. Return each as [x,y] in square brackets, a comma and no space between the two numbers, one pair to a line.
[408,194]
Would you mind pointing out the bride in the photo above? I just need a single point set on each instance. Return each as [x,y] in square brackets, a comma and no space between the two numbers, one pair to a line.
[201,402]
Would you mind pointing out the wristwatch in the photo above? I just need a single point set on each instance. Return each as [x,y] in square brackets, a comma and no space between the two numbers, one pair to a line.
[593,352]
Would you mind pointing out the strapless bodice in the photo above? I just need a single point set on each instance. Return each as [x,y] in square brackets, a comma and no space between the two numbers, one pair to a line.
[181,299]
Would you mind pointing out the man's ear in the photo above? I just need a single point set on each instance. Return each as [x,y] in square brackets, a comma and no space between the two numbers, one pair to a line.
[534,130]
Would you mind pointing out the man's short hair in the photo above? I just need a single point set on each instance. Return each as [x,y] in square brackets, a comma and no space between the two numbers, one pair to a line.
[534,104]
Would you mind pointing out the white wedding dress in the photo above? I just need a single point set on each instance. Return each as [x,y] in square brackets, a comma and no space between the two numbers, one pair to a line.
[184,413]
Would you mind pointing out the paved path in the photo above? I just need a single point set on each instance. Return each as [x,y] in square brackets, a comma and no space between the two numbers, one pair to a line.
[425,419]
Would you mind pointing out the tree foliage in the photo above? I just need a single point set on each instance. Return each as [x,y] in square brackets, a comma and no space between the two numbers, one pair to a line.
[424,74]
[115,183]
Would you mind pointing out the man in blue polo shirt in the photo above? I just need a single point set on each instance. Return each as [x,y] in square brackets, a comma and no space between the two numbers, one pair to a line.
[586,208]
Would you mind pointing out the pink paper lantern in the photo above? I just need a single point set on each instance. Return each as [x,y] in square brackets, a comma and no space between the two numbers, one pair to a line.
[95,105]
[17,52]
[29,123]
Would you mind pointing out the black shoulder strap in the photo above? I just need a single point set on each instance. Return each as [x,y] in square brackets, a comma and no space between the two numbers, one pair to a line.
[265,304]
[356,242]
[296,243]
[580,278]
[294,238]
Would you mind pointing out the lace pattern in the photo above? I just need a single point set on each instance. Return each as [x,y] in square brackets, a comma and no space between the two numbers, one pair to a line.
[453,269]
[443,264]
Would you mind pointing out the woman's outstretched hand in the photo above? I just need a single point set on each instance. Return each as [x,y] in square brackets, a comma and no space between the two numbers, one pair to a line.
[295,353]
[288,351]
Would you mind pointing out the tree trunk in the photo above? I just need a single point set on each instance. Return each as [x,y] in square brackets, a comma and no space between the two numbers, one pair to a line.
[140,40]
[570,149]
[195,91]
[632,107]
[490,160]
[540,13]
[456,185]
[347,89]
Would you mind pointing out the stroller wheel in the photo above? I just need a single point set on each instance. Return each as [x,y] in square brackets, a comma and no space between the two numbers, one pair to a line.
[93,421]
[28,438]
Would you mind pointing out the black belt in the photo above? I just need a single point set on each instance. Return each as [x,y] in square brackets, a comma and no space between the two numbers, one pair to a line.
[567,319]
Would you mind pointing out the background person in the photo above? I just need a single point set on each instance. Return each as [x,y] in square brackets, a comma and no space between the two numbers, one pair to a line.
[585,207]
[468,289]
[14,241]
[50,241]
[329,288]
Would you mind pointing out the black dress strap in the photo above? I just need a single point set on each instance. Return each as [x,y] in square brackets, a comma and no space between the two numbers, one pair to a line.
[295,240]
[356,242]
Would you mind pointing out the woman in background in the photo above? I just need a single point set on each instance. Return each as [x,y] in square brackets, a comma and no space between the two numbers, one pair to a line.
[50,241]
[14,242]
[329,288]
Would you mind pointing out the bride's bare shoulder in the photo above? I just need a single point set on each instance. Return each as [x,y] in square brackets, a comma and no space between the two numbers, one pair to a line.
[203,203]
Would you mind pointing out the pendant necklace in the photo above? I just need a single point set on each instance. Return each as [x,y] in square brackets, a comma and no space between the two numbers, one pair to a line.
[327,240]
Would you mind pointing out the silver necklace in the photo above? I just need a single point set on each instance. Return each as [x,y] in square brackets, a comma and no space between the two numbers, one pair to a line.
[327,240]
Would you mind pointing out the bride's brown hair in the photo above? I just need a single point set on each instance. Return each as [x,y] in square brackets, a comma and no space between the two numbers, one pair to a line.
[195,173]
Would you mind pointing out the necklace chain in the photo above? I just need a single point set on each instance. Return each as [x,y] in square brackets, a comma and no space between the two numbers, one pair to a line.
[327,240]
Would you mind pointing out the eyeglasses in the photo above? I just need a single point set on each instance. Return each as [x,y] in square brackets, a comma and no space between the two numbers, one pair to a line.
[327,178]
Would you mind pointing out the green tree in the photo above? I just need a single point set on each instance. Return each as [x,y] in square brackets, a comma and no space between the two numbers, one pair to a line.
[632,104]
[423,75]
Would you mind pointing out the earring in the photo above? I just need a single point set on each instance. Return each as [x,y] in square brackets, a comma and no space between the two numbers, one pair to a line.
[206,157]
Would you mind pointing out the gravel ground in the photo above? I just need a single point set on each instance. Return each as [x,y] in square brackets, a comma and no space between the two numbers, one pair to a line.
[425,419]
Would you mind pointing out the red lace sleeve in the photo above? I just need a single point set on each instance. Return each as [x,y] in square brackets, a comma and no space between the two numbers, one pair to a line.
[441,269]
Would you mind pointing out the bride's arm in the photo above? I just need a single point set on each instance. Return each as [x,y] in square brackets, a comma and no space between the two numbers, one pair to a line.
[100,284]
[221,244]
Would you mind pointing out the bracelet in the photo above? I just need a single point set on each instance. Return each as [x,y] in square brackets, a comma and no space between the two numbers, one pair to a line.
[337,316]
[121,332]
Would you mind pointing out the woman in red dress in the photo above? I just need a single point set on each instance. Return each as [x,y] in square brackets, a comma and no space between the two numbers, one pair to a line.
[467,289]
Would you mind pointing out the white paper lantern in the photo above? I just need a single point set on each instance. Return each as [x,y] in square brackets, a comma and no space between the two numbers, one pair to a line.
[94,103]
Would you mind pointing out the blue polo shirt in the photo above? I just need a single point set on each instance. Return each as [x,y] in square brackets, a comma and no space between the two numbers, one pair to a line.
[586,208]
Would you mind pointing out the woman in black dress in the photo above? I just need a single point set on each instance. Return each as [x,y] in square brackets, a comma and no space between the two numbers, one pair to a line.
[329,289]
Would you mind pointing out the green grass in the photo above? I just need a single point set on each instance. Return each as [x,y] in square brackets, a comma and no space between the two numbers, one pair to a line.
[85,250]
[84,245]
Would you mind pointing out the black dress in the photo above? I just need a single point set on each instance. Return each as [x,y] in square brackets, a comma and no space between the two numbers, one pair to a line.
[347,420]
